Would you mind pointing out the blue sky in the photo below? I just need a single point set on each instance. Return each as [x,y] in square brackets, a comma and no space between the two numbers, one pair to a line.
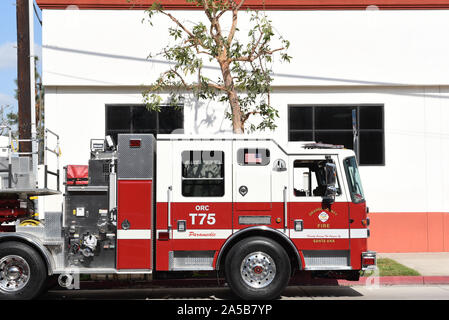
[8,51]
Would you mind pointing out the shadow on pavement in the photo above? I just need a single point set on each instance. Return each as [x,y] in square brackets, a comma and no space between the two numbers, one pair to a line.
[209,293]
[301,292]
[192,293]
[302,286]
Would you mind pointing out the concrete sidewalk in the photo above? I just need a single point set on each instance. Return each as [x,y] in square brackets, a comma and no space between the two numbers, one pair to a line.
[426,263]
[433,267]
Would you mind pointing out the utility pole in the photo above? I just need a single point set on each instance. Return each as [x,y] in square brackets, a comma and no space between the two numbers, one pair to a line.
[26,79]
[23,73]
[32,59]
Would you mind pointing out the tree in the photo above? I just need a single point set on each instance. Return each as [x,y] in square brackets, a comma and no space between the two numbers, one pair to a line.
[245,68]
[40,112]
[8,118]
[39,98]
[12,118]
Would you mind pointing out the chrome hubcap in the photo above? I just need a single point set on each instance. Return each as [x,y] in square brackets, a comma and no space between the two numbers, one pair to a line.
[14,273]
[258,270]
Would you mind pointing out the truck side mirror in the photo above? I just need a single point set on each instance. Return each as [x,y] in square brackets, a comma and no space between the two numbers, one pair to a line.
[330,170]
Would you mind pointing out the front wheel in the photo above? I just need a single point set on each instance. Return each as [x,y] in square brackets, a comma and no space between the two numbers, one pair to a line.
[257,268]
[22,271]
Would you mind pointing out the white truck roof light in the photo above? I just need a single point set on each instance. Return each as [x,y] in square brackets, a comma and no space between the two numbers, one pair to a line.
[323,146]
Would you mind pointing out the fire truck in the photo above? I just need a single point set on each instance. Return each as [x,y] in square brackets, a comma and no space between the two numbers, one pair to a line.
[243,207]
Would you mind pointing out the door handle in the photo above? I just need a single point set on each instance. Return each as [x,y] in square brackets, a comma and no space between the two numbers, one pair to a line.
[169,194]
[284,194]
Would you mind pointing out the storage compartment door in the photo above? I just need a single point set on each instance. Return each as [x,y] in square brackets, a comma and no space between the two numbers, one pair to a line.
[134,213]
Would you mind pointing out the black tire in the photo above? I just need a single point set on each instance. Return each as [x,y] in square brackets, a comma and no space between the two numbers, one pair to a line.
[35,267]
[261,253]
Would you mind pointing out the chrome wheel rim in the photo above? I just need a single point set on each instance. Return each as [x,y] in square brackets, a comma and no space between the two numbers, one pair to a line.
[14,273]
[258,270]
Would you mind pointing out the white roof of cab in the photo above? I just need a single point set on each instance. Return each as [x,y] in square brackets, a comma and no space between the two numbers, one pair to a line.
[292,147]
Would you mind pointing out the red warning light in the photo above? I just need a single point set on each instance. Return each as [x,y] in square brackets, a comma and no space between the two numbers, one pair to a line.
[135,143]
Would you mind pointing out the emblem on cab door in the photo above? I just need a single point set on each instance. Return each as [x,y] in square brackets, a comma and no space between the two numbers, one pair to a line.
[323,216]
[243,190]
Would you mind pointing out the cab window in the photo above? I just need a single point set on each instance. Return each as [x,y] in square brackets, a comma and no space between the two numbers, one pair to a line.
[202,173]
[354,181]
[253,157]
[309,179]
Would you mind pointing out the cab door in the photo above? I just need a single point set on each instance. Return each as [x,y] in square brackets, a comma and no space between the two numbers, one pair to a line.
[319,229]
[200,202]
[252,184]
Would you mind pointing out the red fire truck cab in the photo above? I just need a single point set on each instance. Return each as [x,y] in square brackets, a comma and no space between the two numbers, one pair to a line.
[249,208]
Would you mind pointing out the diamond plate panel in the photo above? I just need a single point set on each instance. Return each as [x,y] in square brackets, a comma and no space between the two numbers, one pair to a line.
[315,258]
[135,162]
[191,260]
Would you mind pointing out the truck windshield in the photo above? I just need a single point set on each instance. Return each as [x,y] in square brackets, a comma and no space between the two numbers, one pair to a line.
[354,182]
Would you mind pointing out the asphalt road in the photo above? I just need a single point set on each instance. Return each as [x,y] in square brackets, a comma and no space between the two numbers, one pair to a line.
[397,292]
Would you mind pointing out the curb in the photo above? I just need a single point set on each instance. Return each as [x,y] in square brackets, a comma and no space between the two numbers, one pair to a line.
[397,280]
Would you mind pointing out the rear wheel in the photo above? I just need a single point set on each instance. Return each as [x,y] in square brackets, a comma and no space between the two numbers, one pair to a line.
[22,271]
[257,268]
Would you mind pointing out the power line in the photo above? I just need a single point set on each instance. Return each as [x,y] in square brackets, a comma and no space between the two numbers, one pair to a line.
[37,15]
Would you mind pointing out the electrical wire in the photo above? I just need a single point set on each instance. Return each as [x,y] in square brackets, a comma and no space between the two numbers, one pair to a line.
[37,15]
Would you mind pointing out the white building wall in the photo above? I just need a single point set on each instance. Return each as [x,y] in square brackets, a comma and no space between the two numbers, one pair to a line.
[396,58]
[110,47]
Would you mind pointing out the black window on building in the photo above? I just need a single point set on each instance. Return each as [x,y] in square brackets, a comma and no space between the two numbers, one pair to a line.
[334,124]
[137,119]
